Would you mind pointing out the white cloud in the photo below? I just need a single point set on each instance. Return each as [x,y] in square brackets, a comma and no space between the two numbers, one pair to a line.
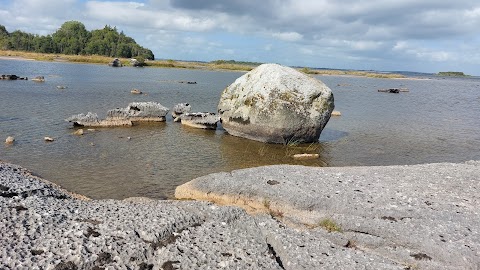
[137,14]
[305,31]
[287,36]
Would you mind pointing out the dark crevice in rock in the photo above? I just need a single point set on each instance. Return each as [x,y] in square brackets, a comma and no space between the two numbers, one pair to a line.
[367,233]
[20,208]
[350,244]
[168,265]
[272,251]
[91,232]
[273,182]
[170,239]
[104,258]
[389,218]
[36,252]
[4,188]
[421,256]
[65,266]
[91,221]
[145,266]
[8,195]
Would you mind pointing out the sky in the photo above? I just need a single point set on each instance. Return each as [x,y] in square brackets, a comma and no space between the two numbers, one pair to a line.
[385,35]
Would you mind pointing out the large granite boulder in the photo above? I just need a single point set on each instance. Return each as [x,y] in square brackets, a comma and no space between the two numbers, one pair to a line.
[276,104]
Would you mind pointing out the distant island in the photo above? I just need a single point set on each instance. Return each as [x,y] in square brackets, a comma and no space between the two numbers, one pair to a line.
[452,74]
[73,39]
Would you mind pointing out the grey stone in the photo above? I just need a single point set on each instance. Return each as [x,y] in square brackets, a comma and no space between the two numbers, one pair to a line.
[422,216]
[139,112]
[200,120]
[276,104]
[134,112]
[180,109]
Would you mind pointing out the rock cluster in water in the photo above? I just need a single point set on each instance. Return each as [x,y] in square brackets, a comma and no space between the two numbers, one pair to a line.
[276,104]
[272,103]
[134,112]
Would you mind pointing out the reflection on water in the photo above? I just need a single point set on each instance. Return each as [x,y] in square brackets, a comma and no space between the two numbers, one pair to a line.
[243,153]
[437,121]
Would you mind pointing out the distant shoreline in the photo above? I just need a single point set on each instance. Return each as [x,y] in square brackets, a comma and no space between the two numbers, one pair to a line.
[16,58]
[214,65]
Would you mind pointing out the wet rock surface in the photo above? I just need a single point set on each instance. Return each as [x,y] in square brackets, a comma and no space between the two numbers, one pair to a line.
[44,226]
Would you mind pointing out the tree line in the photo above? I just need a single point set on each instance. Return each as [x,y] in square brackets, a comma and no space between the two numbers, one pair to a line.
[73,38]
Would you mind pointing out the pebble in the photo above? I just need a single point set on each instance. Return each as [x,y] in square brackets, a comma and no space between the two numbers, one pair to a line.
[9,140]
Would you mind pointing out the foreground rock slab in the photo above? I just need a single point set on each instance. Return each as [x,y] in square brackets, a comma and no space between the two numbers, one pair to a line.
[420,216]
[45,227]
[276,104]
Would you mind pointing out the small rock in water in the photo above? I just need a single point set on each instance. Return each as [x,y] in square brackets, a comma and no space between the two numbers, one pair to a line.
[49,139]
[9,140]
[39,79]
[336,113]
[305,156]
[136,91]
[78,132]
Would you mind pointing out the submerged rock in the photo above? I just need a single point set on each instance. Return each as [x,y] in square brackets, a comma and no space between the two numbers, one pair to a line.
[336,113]
[12,77]
[180,109]
[305,156]
[78,132]
[9,140]
[276,104]
[200,120]
[39,79]
[136,91]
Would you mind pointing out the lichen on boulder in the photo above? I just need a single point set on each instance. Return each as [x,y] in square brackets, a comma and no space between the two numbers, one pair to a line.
[276,104]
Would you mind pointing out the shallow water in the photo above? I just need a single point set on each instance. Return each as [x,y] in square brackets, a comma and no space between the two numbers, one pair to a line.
[437,121]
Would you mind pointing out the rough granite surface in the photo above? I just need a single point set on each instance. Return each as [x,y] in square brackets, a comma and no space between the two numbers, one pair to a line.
[45,227]
[419,216]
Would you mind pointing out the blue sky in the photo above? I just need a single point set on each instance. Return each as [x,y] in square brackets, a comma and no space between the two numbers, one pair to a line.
[410,35]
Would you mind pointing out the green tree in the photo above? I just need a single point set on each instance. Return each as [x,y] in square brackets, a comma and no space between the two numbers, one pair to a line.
[4,36]
[71,38]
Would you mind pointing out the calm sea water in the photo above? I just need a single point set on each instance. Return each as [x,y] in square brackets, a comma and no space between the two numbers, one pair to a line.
[437,121]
